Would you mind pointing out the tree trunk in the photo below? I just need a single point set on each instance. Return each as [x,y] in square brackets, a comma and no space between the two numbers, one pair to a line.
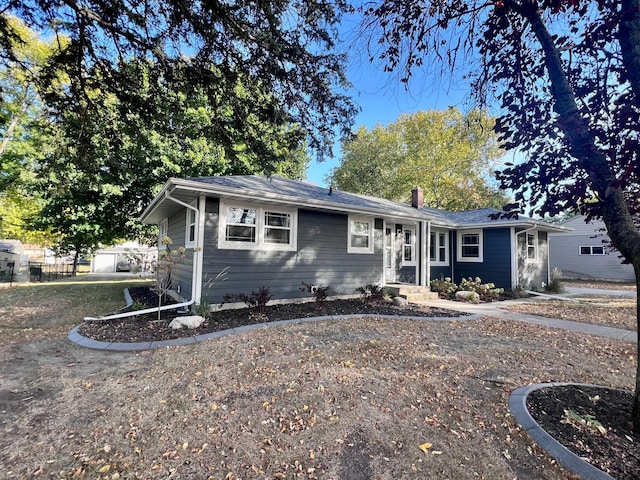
[582,146]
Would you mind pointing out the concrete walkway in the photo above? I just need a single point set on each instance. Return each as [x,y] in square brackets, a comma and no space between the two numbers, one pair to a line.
[499,309]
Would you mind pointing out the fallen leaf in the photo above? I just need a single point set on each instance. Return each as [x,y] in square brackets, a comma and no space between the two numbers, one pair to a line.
[425,447]
[105,469]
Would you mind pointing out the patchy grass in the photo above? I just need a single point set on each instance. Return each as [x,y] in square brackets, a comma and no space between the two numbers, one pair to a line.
[36,310]
[599,284]
[329,400]
[608,311]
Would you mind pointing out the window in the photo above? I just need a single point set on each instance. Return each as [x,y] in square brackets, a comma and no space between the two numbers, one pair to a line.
[532,246]
[244,227]
[163,230]
[360,235]
[439,248]
[277,228]
[409,247]
[190,234]
[470,246]
[240,225]
[592,250]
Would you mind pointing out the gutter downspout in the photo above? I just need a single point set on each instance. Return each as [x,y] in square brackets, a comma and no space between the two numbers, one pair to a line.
[193,277]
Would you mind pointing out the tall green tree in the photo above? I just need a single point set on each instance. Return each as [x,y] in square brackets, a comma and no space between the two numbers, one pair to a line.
[110,159]
[287,46]
[450,155]
[567,76]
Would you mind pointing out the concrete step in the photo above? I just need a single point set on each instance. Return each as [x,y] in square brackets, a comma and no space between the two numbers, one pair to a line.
[413,293]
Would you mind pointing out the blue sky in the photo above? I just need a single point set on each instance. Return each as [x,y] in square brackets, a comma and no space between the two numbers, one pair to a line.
[381,96]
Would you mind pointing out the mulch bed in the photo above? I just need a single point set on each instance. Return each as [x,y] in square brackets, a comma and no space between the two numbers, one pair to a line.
[617,452]
[147,328]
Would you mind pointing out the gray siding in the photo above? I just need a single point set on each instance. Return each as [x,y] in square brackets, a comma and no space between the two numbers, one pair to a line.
[321,259]
[181,276]
[496,264]
[565,253]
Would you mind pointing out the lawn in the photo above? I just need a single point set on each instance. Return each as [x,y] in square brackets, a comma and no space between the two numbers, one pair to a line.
[350,399]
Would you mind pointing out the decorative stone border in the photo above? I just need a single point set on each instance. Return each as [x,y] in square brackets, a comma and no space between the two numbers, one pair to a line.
[86,342]
[565,457]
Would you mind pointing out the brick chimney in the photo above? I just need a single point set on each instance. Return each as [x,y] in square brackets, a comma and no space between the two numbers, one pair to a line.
[417,198]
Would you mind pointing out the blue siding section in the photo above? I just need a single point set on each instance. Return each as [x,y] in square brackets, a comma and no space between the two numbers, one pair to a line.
[437,272]
[496,264]
[321,259]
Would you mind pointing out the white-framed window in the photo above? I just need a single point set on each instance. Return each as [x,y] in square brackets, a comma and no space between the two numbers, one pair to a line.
[470,246]
[360,238]
[249,227]
[163,230]
[532,246]
[592,250]
[191,228]
[439,248]
[408,246]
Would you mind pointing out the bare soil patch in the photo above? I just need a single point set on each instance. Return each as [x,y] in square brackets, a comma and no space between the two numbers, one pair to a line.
[594,423]
[607,311]
[340,399]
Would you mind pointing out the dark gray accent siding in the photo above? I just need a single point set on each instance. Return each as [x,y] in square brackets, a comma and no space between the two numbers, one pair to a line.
[321,259]
[496,265]
[181,274]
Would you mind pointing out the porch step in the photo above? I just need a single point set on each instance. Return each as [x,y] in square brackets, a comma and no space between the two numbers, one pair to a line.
[413,293]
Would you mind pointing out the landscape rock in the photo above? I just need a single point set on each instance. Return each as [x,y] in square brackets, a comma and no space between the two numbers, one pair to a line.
[191,321]
[400,302]
[468,296]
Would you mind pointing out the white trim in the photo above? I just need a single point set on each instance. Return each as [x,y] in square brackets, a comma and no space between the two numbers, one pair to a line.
[590,247]
[447,250]
[191,212]
[196,287]
[260,225]
[515,271]
[163,230]
[413,262]
[479,258]
[425,262]
[369,249]
[535,245]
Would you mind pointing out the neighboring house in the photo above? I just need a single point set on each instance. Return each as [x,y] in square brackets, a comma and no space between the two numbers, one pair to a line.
[279,233]
[585,253]
[118,257]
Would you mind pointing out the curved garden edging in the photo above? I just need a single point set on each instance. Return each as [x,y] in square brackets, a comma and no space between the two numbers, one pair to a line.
[564,456]
[75,337]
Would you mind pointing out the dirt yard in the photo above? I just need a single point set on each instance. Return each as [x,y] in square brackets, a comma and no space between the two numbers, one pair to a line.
[356,399]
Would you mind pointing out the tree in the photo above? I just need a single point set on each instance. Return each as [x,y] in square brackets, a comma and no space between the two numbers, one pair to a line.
[567,76]
[287,46]
[110,159]
[450,155]
[21,109]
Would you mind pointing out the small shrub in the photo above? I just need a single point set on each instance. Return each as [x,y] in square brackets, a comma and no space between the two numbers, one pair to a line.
[138,306]
[320,293]
[555,282]
[447,288]
[257,300]
[372,294]
[202,308]
[444,286]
